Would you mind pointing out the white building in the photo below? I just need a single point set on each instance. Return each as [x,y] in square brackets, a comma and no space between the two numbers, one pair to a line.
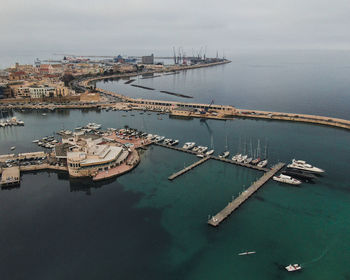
[41,91]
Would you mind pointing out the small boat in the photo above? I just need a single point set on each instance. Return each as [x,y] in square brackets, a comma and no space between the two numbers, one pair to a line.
[166,141]
[224,154]
[246,253]
[242,158]
[248,160]
[43,114]
[293,267]
[262,163]
[173,142]
[286,179]
[35,141]
[255,161]
[236,157]
[188,145]
[210,152]
[202,149]
[195,149]
[13,148]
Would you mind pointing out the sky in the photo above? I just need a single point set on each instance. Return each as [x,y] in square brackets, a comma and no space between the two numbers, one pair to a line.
[137,27]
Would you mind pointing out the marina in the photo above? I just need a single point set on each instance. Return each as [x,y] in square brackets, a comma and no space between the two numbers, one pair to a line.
[232,206]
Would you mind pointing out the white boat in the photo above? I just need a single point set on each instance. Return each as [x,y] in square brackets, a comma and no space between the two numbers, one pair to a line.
[246,253]
[43,114]
[188,145]
[35,141]
[286,179]
[13,147]
[167,141]
[173,142]
[248,160]
[236,157]
[210,152]
[262,163]
[224,154]
[242,158]
[293,267]
[159,139]
[195,149]
[301,164]
[202,149]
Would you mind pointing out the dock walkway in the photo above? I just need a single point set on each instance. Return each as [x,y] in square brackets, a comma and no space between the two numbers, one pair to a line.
[214,157]
[188,168]
[232,206]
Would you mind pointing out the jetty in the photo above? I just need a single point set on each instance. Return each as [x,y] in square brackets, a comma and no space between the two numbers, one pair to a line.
[188,168]
[176,94]
[142,87]
[232,206]
[10,176]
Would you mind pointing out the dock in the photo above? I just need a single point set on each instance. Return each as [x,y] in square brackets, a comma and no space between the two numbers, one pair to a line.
[188,168]
[232,206]
[214,157]
[10,176]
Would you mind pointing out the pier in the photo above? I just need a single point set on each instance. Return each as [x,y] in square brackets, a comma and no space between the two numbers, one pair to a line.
[10,176]
[188,168]
[214,157]
[232,206]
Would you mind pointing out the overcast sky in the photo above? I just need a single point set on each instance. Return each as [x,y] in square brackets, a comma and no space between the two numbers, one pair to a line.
[110,26]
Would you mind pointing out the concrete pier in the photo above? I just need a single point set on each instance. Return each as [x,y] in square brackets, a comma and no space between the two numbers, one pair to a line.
[232,206]
[188,168]
[10,176]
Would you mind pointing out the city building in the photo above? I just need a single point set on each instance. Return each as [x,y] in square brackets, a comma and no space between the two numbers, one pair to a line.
[41,91]
[148,59]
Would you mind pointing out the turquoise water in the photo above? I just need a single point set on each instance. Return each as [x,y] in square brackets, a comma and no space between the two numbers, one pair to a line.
[142,226]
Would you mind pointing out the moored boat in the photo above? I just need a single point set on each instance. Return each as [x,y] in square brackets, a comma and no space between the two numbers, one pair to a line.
[224,154]
[293,267]
[301,164]
[188,145]
[286,179]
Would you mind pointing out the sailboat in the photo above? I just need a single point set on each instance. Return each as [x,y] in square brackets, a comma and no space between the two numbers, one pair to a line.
[211,151]
[264,162]
[226,153]
[257,157]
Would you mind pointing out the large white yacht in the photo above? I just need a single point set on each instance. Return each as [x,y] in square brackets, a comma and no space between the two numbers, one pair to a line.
[286,179]
[189,145]
[301,164]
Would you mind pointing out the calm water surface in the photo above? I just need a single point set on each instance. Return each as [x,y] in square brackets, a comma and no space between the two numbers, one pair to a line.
[142,226]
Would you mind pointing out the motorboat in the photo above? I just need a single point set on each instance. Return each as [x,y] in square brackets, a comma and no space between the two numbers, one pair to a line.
[246,253]
[301,164]
[242,158]
[286,179]
[248,160]
[224,154]
[195,149]
[173,142]
[167,141]
[35,141]
[262,163]
[159,139]
[202,149]
[13,148]
[236,157]
[293,267]
[188,145]
[255,161]
[210,152]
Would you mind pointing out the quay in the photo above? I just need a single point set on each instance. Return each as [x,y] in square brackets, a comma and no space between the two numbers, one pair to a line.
[188,168]
[10,176]
[232,206]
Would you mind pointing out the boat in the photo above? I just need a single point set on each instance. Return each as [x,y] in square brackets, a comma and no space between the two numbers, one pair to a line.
[173,142]
[236,157]
[202,149]
[248,160]
[167,141]
[224,154]
[242,158]
[256,161]
[286,179]
[43,114]
[13,148]
[246,253]
[210,152]
[262,163]
[159,139]
[195,149]
[301,164]
[293,267]
[35,141]
[188,145]
[299,174]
